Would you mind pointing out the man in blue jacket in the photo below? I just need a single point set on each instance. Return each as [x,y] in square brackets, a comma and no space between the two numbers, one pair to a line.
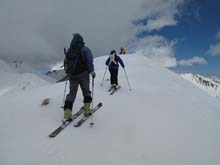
[78,65]
[112,63]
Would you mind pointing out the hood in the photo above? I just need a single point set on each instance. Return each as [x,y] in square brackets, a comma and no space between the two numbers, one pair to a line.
[77,41]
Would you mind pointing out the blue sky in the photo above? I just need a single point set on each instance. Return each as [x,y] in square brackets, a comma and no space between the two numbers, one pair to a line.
[199,31]
[198,27]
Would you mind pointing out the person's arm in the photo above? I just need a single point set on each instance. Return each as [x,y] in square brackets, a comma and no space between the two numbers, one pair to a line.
[107,61]
[86,52]
[121,62]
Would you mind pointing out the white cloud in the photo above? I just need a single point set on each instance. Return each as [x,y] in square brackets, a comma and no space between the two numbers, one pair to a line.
[214,49]
[157,48]
[37,31]
[190,62]
[160,23]
[161,14]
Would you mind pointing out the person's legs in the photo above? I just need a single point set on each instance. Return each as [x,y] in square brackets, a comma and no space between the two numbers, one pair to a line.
[70,98]
[84,84]
[111,76]
[114,74]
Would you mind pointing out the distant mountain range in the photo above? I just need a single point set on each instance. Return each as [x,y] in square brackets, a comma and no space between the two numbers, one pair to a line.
[208,84]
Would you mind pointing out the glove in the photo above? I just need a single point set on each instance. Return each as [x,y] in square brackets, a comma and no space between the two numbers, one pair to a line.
[93,74]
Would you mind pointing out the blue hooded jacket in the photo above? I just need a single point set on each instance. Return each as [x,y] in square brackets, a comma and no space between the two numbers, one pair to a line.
[87,57]
[77,41]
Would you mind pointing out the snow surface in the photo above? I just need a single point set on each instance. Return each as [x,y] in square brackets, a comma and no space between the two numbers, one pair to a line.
[18,79]
[4,67]
[164,120]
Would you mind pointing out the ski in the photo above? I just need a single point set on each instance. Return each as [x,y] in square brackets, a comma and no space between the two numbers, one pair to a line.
[65,124]
[114,90]
[110,89]
[82,120]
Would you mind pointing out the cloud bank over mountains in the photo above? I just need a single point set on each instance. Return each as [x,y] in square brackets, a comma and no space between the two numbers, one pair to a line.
[194,60]
[37,31]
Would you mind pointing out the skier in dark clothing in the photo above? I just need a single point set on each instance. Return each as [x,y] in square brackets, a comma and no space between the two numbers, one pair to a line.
[112,63]
[78,65]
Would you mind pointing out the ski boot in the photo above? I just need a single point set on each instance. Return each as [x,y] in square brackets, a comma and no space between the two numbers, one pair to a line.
[86,108]
[114,86]
[68,114]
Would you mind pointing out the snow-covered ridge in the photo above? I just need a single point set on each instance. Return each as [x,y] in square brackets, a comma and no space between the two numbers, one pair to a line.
[207,84]
[164,120]
[19,78]
[4,67]
[14,83]
[216,79]
[57,66]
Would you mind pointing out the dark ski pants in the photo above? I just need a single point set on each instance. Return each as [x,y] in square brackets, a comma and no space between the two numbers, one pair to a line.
[83,81]
[114,76]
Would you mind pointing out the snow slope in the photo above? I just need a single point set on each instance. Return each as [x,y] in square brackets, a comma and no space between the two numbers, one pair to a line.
[164,120]
[19,80]
[4,67]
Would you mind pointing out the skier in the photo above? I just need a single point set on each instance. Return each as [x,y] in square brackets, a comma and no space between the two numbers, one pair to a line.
[122,51]
[112,63]
[78,65]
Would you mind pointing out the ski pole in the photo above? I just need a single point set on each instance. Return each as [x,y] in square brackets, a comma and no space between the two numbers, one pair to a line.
[104,76]
[127,79]
[91,123]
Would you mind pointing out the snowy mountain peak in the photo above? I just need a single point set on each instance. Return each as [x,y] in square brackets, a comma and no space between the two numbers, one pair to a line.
[57,66]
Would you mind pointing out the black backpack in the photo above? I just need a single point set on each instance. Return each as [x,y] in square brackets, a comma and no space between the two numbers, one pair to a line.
[74,62]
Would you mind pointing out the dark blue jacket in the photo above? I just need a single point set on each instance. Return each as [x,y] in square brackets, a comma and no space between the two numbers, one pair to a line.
[86,54]
[112,65]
